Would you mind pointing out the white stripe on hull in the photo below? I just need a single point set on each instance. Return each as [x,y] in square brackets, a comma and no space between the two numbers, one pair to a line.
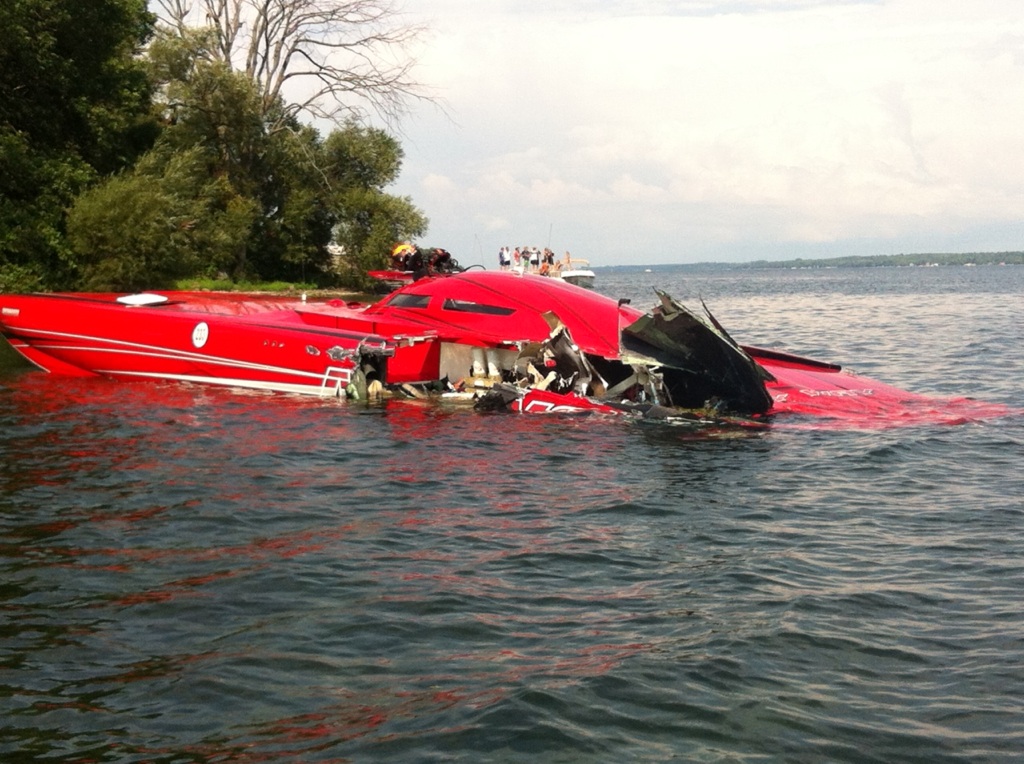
[320,390]
[151,351]
[326,383]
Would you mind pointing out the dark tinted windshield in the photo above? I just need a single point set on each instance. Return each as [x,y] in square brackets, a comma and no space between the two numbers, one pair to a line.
[464,306]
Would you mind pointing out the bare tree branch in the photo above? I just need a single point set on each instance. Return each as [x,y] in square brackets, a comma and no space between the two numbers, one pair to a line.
[175,14]
[329,59]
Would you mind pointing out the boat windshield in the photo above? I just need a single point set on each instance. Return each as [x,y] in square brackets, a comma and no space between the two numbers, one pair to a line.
[465,306]
[409,300]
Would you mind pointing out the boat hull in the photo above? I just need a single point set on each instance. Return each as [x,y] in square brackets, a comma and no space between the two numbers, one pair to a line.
[96,335]
[538,344]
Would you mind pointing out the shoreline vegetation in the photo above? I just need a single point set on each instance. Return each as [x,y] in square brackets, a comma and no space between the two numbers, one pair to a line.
[922,260]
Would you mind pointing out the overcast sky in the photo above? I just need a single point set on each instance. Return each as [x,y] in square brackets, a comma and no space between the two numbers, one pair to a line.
[651,131]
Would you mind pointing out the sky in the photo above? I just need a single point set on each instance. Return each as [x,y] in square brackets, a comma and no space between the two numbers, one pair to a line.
[680,131]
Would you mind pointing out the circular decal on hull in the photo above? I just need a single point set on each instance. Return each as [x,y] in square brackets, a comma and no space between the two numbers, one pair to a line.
[200,334]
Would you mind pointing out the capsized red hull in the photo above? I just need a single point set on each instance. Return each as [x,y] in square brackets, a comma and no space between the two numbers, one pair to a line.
[804,399]
[538,344]
[803,396]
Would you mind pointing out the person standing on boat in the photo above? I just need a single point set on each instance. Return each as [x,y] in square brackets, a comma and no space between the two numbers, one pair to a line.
[504,258]
[400,256]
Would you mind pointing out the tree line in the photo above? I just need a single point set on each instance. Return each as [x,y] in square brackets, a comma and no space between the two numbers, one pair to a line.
[140,146]
[874,261]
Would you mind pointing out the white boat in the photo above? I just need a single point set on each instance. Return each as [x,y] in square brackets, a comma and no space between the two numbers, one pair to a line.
[579,277]
[575,271]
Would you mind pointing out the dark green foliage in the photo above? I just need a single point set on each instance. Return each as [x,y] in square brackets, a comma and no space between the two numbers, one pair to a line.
[359,162]
[35,188]
[361,157]
[307,191]
[124,173]
[74,104]
[290,239]
[165,220]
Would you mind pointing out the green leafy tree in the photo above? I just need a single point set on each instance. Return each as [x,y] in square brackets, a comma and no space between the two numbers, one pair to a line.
[359,163]
[166,219]
[309,190]
[218,114]
[350,57]
[35,188]
[228,161]
[265,156]
[290,241]
[74,105]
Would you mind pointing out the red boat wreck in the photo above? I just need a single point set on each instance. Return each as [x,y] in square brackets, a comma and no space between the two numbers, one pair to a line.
[507,341]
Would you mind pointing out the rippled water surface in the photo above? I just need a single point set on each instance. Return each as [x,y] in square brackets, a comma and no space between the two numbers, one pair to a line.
[197,575]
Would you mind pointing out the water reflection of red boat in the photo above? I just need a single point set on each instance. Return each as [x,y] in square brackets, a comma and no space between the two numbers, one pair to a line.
[508,341]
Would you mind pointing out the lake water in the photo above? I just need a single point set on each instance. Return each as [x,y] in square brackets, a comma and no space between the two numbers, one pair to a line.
[198,575]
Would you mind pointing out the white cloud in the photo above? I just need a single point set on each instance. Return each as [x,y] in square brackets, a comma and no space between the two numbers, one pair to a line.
[630,126]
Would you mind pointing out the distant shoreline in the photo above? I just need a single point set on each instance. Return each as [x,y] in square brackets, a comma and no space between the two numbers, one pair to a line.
[922,260]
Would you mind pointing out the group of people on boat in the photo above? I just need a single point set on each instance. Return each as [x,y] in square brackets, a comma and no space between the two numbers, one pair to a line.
[532,260]
[409,257]
[425,261]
